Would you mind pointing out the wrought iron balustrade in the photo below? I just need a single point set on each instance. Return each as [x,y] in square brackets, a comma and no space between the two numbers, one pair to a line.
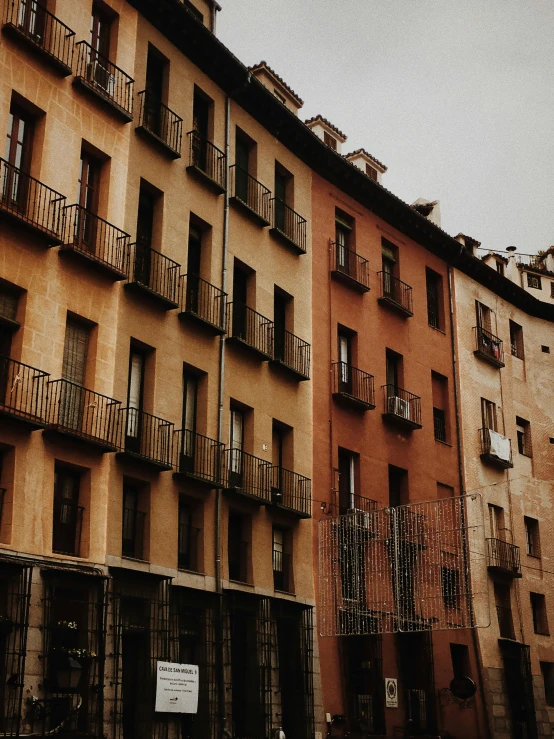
[247,191]
[289,224]
[402,405]
[247,474]
[151,270]
[488,346]
[354,385]
[356,503]
[350,267]
[94,238]
[251,328]
[292,352]
[147,437]
[199,457]
[207,159]
[23,392]
[202,301]
[101,76]
[504,557]
[291,491]
[395,293]
[160,122]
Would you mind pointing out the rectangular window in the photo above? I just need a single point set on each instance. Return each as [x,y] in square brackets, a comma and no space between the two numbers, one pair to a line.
[89,182]
[237,547]
[14,188]
[346,341]
[284,198]
[282,313]
[282,579]
[9,299]
[488,414]
[202,115]
[390,268]
[330,140]
[552,289]
[534,281]
[347,480]
[547,671]
[135,392]
[190,397]
[439,423]
[371,172]
[484,316]
[134,518]
[523,430]
[100,31]
[236,447]
[516,340]
[439,385]
[503,604]
[538,609]
[532,537]
[500,268]
[435,316]
[398,486]
[496,522]
[459,654]
[66,532]
[188,537]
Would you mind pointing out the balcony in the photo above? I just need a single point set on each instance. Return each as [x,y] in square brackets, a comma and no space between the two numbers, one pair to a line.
[349,267]
[207,162]
[146,438]
[248,328]
[82,414]
[91,238]
[68,525]
[106,82]
[202,303]
[355,504]
[134,525]
[153,274]
[292,353]
[282,572]
[291,492]
[31,204]
[199,458]
[505,622]
[402,407]
[189,538]
[503,558]
[23,393]
[247,475]
[289,226]
[488,347]
[495,448]
[250,195]
[159,124]
[42,32]
[353,386]
[396,294]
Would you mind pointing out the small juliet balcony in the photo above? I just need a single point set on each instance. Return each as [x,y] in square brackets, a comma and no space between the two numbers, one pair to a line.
[82,414]
[23,393]
[353,386]
[289,226]
[402,407]
[291,492]
[395,294]
[199,458]
[291,353]
[247,476]
[146,438]
[42,33]
[107,83]
[488,347]
[206,162]
[92,239]
[495,448]
[503,558]
[246,327]
[253,198]
[31,204]
[160,124]
[153,274]
[349,267]
[202,303]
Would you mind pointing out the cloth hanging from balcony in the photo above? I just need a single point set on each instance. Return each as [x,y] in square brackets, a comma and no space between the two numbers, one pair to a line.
[499,446]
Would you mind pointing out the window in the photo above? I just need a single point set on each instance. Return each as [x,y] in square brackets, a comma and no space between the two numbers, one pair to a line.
[9,299]
[100,32]
[135,397]
[439,424]
[188,537]
[516,340]
[545,349]
[496,522]
[439,385]
[538,610]
[330,140]
[19,144]
[202,110]
[451,590]
[282,311]
[435,311]
[500,268]
[532,536]
[523,430]
[89,182]
[284,198]
[144,271]
[552,289]
[281,98]
[484,316]
[371,172]
[393,364]
[134,517]
[245,165]
[344,226]
[488,414]
[32,18]
[281,560]
[347,480]
[547,670]
[459,653]
[66,531]
[346,341]
[534,281]
[190,396]
[389,260]
[398,486]
[236,446]
[503,604]
[237,547]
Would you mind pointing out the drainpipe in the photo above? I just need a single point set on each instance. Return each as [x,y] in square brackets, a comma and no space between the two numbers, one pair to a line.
[221,398]
[461,476]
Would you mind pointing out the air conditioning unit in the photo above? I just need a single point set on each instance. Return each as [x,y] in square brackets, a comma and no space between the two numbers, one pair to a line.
[101,76]
[399,407]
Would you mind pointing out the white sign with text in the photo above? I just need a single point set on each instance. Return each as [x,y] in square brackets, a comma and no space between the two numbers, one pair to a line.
[176,688]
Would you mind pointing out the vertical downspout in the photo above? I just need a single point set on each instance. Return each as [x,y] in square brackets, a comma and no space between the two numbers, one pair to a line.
[462,480]
[221,397]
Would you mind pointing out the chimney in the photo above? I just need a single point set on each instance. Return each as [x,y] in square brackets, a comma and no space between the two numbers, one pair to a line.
[328,133]
[430,209]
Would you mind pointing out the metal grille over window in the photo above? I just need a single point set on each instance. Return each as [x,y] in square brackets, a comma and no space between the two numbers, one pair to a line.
[404,569]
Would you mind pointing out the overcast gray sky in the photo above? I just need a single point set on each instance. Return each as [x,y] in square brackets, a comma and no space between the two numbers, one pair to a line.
[456,97]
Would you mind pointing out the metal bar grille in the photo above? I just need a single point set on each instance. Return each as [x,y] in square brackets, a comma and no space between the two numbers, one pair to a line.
[404,569]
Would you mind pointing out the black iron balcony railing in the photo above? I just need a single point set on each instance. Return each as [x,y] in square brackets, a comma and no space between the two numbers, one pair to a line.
[248,192]
[282,572]
[505,622]
[31,202]
[349,267]
[149,270]
[30,20]
[199,457]
[395,293]
[292,352]
[504,557]
[203,302]
[238,562]
[248,327]
[23,392]
[68,524]
[247,475]
[291,491]
[356,503]
[207,159]
[401,405]
[289,224]
[159,121]
[79,412]
[132,542]
[496,448]
[97,240]
[353,385]
[102,77]
[488,346]
[188,548]
[146,437]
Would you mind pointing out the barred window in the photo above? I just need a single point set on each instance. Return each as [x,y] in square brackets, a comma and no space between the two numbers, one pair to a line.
[534,281]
